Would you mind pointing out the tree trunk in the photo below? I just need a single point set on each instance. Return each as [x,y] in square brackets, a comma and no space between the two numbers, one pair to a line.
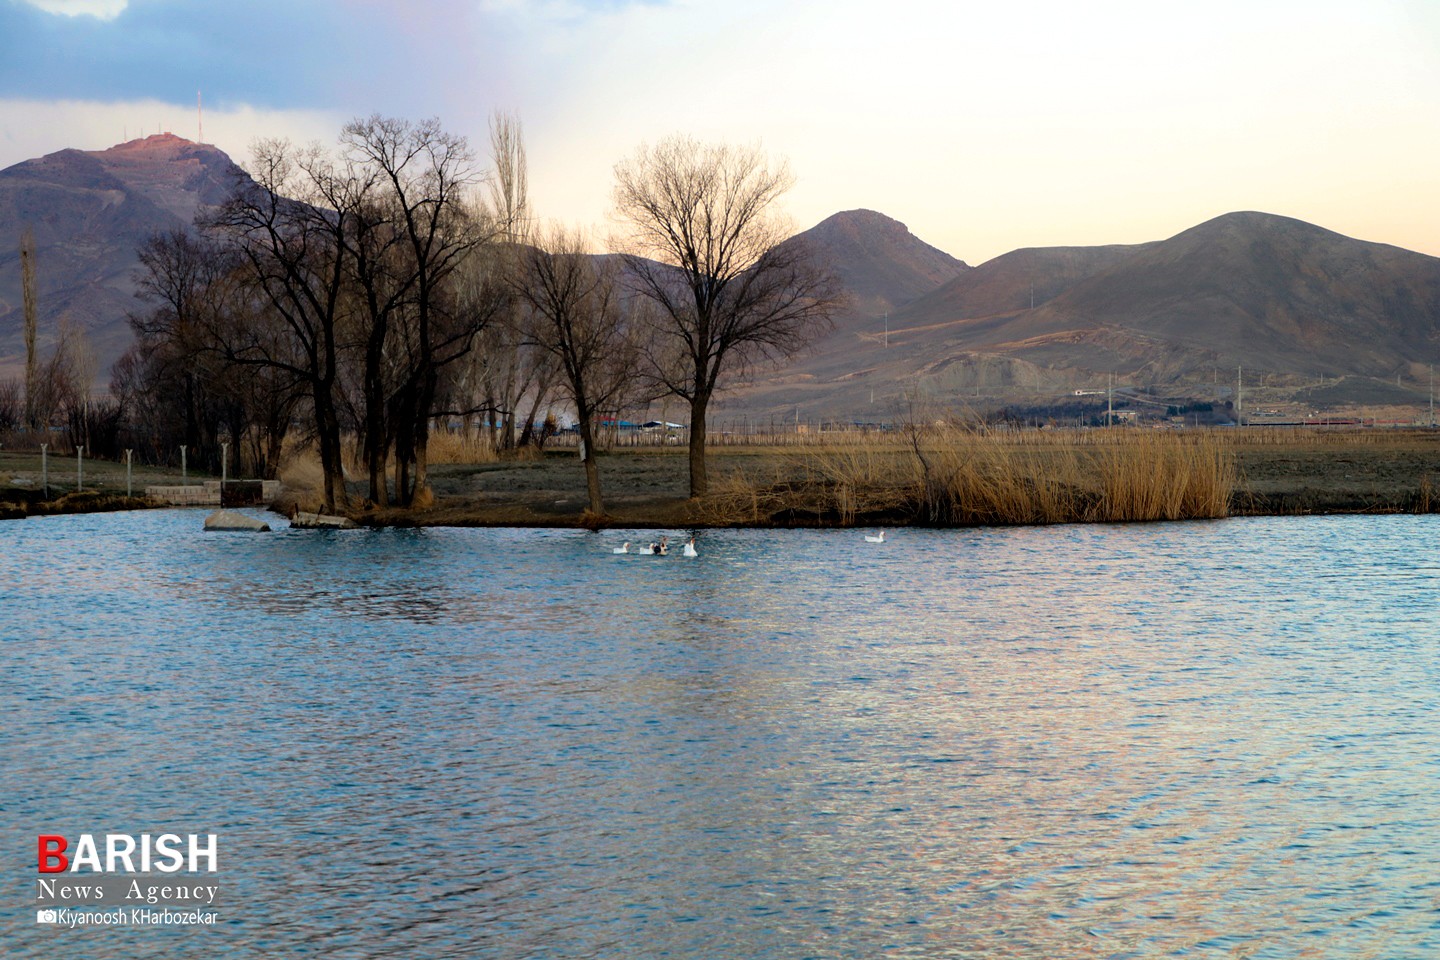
[428,387]
[592,469]
[402,426]
[327,426]
[404,457]
[422,480]
[379,482]
[275,443]
[376,439]
[699,482]
[542,390]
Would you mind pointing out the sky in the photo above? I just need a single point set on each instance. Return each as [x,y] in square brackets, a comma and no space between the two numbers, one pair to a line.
[983,126]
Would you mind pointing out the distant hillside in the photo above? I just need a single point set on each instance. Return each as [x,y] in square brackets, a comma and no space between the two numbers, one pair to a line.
[880,263]
[89,211]
[1010,284]
[1275,294]
[1289,301]
[1296,305]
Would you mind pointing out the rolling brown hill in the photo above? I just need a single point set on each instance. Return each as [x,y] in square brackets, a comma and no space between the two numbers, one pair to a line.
[1276,294]
[1292,303]
[880,264]
[89,211]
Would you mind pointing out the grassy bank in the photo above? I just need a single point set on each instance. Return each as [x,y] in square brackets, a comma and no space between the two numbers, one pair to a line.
[930,476]
[23,492]
[946,476]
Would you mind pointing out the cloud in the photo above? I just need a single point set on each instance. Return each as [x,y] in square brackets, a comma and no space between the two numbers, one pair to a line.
[100,9]
[356,55]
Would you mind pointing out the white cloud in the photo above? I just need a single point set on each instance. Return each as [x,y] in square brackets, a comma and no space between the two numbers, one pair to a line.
[101,9]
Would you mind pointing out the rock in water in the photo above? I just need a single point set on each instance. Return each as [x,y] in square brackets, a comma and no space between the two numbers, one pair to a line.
[233,520]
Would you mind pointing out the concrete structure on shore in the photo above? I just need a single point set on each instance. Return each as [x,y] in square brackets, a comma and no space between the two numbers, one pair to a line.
[237,493]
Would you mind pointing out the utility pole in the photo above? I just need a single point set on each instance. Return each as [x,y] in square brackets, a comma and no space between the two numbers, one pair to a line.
[1110,401]
[1239,396]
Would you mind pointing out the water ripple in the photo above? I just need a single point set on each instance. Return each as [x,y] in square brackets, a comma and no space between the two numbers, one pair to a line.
[1209,739]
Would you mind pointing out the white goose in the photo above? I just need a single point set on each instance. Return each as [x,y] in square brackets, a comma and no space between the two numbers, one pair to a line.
[623,549]
[689,550]
[874,539]
[648,550]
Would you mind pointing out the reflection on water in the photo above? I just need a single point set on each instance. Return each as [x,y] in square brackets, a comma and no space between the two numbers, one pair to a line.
[1194,739]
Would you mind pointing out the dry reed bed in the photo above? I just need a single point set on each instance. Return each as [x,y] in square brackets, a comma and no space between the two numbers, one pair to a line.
[952,476]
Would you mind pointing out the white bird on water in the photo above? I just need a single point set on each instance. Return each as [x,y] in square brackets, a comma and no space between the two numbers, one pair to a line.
[648,550]
[624,549]
[689,550]
[870,538]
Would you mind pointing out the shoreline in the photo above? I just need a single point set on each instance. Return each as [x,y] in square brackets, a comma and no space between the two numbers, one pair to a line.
[1297,505]
[1275,474]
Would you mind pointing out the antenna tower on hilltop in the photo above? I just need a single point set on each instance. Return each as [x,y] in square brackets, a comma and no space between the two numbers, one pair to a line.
[199,119]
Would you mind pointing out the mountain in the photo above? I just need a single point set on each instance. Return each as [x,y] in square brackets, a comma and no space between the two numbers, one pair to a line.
[1274,293]
[88,212]
[880,264]
[1280,296]
[1291,302]
[1010,284]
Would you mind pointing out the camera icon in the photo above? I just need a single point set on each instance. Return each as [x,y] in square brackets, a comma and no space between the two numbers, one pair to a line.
[46,916]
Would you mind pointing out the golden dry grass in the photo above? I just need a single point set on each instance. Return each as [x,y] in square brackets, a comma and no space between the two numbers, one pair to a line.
[300,467]
[444,447]
[954,476]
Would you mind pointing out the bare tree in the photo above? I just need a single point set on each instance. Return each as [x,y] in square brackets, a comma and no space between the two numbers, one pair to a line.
[181,275]
[62,382]
[12,404]
[704,246]
[376,263]
[176,383]
[510,187]
[427,174]
[576,315]
[287,241]
[502,373]
[27,295]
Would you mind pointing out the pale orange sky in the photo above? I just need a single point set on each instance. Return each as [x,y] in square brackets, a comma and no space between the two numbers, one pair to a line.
[983,126]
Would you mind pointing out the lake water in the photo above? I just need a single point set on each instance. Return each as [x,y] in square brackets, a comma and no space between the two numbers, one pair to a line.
[1203,740]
